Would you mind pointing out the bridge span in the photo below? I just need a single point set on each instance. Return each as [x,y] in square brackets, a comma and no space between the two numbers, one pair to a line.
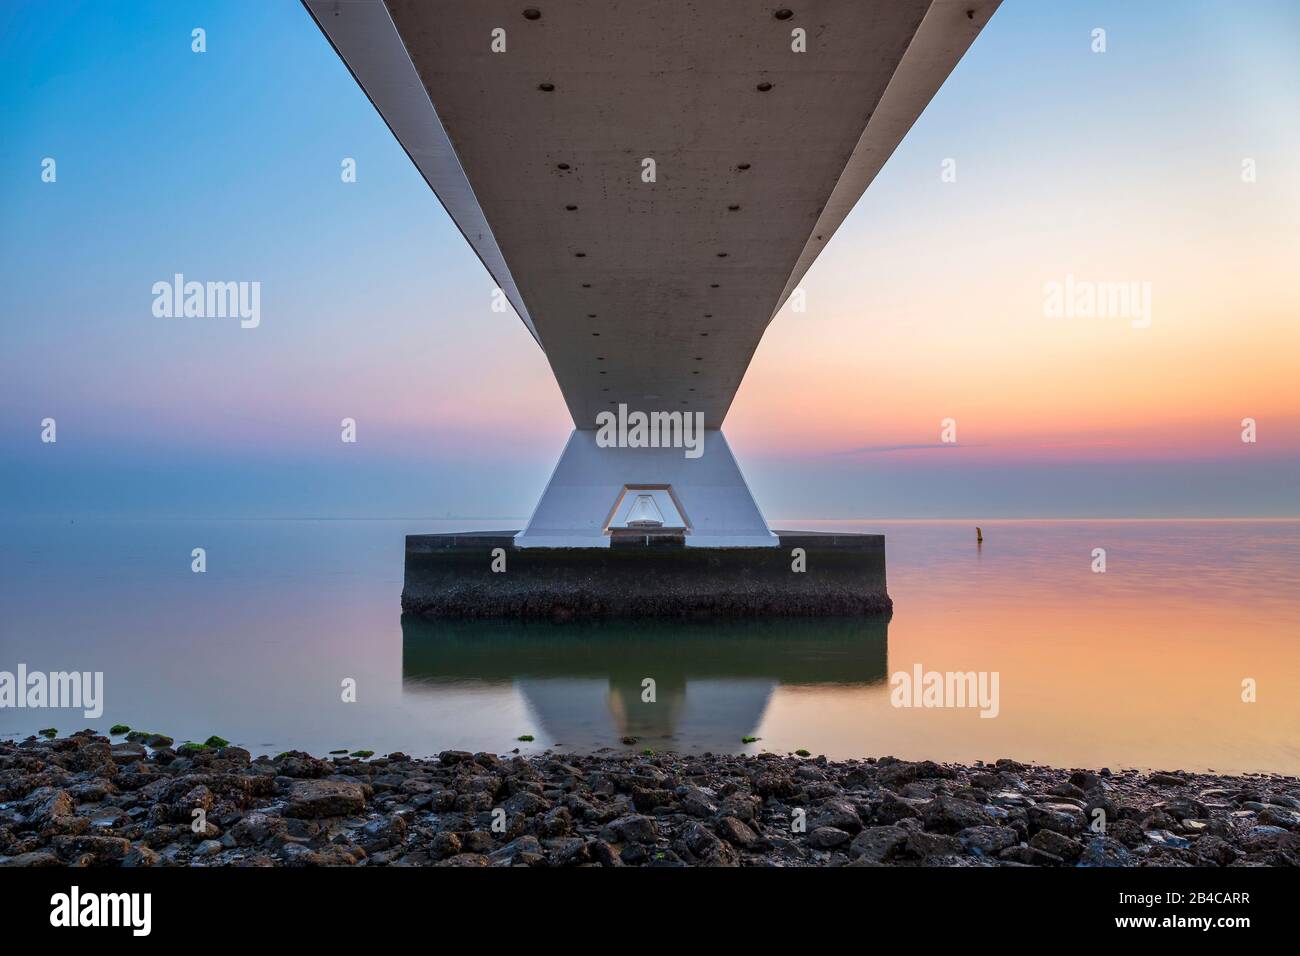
[647,183]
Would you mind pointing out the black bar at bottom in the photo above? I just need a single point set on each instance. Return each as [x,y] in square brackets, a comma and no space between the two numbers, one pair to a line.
[305,904]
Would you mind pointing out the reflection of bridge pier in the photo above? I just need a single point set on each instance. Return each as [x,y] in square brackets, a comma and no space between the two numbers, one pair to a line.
[583,682]
[648,184]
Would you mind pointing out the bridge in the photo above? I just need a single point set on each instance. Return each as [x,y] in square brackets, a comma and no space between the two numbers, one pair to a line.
[647,183]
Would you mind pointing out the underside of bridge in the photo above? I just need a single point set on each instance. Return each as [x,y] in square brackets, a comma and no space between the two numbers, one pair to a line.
[647,183]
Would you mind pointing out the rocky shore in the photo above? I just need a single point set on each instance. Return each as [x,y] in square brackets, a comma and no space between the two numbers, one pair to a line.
[84,800]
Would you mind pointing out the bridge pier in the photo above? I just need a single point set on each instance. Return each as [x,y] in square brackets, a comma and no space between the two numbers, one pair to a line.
[483,575]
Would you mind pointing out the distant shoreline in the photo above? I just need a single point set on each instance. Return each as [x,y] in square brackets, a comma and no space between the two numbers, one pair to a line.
[82,800]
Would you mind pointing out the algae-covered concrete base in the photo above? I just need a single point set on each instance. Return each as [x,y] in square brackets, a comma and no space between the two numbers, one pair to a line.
[486,575]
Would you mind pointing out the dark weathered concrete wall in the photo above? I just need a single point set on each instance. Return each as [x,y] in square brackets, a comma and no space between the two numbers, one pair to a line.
[452,576]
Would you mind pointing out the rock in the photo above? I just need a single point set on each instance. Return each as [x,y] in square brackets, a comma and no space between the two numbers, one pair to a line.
[99,849]
[235,755]
[127,753]
[416,787]
[47,807]
[526,804]
[840,814]
[772,784]
[382,834]
[950,815]
[1030,856]
[602,854]
[918,791]
[1085,780]
[92,791]
[925,845]
[199,798]
[1061,817]
[736,832]
[109,818]
[1216,851]
[1103,851]
[1268,837]
[634,854]
[1280,817]
[477,841]
[80,801]
[445,845]
[825,838]
[478,783]
[255,828]
[141,856]
[878,844]
[1166,839]
[525,849]
[893,808]
[558,822]
[93,757]
[1159,820]
[698,805]
[1127,832]
[987,840]
[646,800]
[33,859]
[705,845]
[697,802]
[1057,844]
[325,798]
[1067,790]
[1010,798]
[567,851]
[300,765]
[742,806]
[904,772]
[632,828]
[333,855]
[1180,808]
[1165,780]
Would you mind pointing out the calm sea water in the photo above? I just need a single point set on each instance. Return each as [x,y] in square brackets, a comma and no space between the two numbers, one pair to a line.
[1140,666]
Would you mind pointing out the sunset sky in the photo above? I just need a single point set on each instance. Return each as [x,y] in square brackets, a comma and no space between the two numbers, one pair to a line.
[928,304]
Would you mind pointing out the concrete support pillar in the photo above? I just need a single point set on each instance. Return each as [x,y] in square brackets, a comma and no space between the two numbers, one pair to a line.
[703,499]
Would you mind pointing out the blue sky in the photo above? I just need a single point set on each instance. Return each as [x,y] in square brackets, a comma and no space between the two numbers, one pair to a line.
[226,165]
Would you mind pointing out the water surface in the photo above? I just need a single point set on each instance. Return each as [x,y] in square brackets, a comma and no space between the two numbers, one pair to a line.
[1140,666]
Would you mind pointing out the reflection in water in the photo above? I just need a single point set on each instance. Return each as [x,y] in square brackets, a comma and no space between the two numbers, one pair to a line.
[1139,667]
[583,682]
